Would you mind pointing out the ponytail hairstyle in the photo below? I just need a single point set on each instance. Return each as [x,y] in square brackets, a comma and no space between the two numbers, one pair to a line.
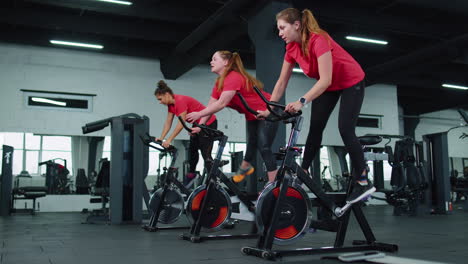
[308,25]
[235,64]
[163,89]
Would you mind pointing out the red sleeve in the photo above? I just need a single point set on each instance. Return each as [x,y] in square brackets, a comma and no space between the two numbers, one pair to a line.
[321,45]
[287,55]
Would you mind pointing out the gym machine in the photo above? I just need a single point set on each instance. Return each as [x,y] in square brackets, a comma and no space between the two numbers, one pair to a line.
[128,166]
[9,193]
[166,203]
[283,210]
[408,181]
[25,193]
[438,173]
[438,169]
[57,181]
[209,206]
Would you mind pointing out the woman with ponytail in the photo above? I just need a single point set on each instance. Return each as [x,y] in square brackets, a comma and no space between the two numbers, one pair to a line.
[181,105]
[338,76]
[233,78]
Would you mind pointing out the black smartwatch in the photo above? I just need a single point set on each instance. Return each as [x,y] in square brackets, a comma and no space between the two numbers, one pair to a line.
[302,100]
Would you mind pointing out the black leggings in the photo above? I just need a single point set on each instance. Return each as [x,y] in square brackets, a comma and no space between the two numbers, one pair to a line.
[260,135]
[203,143]
[322,107]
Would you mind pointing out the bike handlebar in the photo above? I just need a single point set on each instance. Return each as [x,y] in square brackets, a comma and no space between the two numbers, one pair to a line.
[211,132]
[276,116]
[53,161]
[148,139]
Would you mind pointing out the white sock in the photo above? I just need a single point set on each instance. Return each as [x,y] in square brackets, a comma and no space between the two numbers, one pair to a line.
[363,183]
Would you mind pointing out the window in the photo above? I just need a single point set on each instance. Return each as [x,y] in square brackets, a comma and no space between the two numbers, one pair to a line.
[239,147]
[56,143]
[17,142]
[457,165]
[387,171]
[106,150]
[58,100]
[30,149]
[32,161]
[158,161]
[325,163]
[373,121]
[57,147]
[33,147]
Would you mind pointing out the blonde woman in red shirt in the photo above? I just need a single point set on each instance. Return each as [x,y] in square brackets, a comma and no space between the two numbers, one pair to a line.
[233,78]
[339,77]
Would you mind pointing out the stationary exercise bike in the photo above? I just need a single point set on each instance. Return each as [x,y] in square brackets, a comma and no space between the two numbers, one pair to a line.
[209,206]
[284,209]
[166,203]
[160,176]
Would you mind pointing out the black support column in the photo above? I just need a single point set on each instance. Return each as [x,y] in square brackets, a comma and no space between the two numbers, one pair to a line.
[6,180]
[410,124]
[269,54]
[315,169]
[438,173]
[379,181]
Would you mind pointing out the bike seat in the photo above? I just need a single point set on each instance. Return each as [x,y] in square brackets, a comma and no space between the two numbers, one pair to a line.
[369,140]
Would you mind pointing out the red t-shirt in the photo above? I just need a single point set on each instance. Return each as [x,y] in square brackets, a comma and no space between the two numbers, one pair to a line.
[183,103]
[346,71]
[234,81]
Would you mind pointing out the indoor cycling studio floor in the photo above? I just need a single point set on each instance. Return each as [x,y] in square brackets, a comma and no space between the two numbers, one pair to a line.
[56,238]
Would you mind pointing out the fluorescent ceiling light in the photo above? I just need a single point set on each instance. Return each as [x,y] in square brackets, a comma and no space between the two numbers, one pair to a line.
[76,44]
[117,2]
[454,86]
[48,101]
[374,41]
[298,70]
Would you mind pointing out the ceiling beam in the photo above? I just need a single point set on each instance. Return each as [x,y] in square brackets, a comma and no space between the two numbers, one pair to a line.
[140,9]
[221,16]
[177,64]
[436,54]
[92,25]
[215,33]
[425,76]
[463,58]
[455,6]
[359,18]
[39,37]
[416,108]
[419,102]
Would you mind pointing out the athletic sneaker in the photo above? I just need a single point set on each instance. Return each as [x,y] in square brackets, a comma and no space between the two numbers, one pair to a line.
[241,173]
[360,192]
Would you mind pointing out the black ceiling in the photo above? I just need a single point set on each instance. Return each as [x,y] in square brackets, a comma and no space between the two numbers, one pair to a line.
[428,39]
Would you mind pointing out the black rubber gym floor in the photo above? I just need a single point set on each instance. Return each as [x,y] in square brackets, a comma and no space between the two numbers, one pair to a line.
[56,238]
